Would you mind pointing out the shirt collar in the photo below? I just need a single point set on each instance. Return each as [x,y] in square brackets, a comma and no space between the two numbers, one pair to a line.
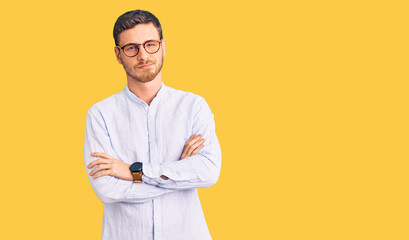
[134,98]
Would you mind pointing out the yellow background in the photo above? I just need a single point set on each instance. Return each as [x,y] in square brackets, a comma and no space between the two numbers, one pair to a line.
[310,101]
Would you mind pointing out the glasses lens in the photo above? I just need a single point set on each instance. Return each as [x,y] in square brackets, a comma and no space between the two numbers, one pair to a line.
[152,46]
[131,50]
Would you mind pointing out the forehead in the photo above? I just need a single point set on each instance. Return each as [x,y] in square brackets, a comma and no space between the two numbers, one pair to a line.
[139,34]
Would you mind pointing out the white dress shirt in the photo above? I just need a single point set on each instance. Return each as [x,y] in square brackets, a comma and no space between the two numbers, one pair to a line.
[128,129]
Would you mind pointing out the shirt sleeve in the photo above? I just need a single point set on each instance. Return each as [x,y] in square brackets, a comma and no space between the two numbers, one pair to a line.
[198,171]
[111,189]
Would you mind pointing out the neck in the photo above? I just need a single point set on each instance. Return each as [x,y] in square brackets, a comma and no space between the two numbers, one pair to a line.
[146,91]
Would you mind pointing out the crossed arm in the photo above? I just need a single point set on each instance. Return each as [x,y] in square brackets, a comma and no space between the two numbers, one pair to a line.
[111,177]
[108,165]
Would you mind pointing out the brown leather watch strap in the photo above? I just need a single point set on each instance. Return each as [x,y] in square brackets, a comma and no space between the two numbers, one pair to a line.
[137,177]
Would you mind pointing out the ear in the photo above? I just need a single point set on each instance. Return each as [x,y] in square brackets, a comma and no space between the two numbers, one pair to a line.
[117,54]
[163,46]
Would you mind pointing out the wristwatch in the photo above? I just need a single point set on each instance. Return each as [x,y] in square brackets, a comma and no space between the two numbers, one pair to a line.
[136,170]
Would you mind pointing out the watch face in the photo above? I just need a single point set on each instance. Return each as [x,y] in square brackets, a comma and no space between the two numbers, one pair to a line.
[136,167]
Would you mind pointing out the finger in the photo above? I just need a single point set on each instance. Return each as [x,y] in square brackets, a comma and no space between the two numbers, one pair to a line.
[190,139]
[198,136]
[98,161]
[183,156]
[193,146]
[197,149]
[99,154]
[99,168]
[101,173]
[188,143]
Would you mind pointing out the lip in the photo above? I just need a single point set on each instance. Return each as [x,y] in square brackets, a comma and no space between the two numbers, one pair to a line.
[145,66]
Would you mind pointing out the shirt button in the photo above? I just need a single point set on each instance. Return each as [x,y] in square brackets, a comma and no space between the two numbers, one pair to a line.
[152,141]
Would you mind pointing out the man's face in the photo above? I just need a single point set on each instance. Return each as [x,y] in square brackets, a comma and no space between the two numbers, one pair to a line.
[143,67]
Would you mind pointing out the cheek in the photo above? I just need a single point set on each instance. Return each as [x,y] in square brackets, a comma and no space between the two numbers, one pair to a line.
[128,62]
[158,60]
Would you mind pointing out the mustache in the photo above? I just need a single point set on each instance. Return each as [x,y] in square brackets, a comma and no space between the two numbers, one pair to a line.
[145,63]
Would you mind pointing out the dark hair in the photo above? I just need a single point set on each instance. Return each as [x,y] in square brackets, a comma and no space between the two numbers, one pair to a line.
[130,19]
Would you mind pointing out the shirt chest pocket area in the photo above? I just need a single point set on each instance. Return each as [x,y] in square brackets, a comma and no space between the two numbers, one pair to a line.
[176,131]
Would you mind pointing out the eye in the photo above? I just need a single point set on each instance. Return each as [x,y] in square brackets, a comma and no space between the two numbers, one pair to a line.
[151,44]
[130,48]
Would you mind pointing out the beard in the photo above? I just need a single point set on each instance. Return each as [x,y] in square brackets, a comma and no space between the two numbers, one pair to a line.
[144,75]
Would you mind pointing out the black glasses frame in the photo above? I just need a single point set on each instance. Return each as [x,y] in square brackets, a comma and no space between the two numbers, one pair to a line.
[138,45]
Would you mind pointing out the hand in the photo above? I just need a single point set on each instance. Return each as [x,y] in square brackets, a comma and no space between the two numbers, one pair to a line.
[107,165]
[192,146]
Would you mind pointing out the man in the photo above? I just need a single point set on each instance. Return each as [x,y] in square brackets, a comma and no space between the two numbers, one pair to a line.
[149,147]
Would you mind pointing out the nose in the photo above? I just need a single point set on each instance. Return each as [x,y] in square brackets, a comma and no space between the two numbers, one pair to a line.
[142,54]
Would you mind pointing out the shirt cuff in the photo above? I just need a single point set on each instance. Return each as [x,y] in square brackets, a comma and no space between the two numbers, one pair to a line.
[151,174]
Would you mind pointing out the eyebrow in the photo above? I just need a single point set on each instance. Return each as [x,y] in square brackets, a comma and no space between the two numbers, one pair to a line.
[141,43]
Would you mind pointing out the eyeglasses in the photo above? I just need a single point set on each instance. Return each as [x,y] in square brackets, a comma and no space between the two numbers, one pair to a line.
[132,49]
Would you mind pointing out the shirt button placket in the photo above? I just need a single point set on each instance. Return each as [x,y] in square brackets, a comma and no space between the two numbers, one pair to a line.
[157,219]
[152,155]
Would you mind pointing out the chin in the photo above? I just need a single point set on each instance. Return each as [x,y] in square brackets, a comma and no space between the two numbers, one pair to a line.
[145,77]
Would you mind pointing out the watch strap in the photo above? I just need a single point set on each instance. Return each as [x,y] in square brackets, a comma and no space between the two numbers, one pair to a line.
[137,177]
